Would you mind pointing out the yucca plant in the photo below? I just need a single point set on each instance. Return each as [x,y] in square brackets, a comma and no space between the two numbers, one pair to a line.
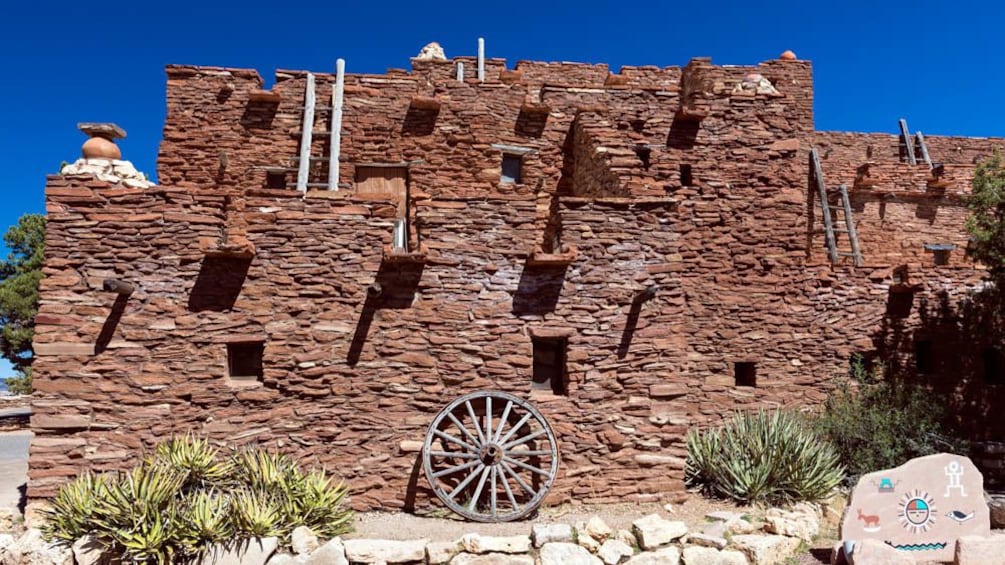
[317,502]
[204,518]
[71,514]
[256,513]
[196,458]
[770,457]
[187,495]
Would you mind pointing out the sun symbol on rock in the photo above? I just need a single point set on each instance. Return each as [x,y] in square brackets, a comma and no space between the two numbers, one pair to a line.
[917,511]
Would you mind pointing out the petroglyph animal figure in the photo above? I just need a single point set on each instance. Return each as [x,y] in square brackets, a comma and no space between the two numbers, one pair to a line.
[870,520]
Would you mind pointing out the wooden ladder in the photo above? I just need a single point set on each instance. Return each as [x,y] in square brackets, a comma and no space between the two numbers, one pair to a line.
[835,254]
[913,145]
[335,133]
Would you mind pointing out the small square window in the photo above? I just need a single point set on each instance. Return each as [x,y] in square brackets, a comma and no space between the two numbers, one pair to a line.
[275,179]
[924,357]
[645,155]
[244,360]
[549,366]
[745,373]
[512,168]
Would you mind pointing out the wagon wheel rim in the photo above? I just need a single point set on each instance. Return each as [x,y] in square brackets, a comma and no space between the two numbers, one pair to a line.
[490,456]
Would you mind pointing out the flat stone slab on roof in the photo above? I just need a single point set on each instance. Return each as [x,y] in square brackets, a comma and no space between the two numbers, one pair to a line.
[98,129]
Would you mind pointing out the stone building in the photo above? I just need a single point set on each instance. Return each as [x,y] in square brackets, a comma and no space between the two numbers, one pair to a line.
[637,252]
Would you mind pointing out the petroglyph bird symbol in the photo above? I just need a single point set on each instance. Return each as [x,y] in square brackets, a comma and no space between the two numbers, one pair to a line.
[960,516]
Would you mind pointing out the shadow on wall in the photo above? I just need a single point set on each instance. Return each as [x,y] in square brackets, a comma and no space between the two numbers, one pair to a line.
[958,351]
[394,287]
[539,289]
[218,284]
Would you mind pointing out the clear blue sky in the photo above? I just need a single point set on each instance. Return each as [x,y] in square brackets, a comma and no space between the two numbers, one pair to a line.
[938,64]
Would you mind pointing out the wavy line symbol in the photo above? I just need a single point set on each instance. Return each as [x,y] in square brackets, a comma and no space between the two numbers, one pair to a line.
[918,546]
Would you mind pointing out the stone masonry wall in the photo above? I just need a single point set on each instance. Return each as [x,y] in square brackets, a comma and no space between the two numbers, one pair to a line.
[734,259]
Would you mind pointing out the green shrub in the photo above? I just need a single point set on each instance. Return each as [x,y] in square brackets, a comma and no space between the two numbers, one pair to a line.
[875,423]
[20,384]
[187,495]
[767,457]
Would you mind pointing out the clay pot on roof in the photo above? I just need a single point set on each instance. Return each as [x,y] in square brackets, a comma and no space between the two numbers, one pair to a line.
[100,148]
[788,55]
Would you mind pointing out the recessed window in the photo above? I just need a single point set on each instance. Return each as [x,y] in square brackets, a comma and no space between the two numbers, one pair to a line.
[244,361]
[940,252]
[685,175]
[924,357]
[745,373]
[549,366]
[275,179]
[994,366]
[512,168]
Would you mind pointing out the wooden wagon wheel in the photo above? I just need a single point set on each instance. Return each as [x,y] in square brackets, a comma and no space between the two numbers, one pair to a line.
[490,457]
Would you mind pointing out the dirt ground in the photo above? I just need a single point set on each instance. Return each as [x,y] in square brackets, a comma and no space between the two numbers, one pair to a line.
[449,527]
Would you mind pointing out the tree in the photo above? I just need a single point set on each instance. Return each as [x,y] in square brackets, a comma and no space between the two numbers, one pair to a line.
[986,223]
[20,274]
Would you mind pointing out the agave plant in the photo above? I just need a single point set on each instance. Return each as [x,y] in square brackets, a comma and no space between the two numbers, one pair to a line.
[261,469]
[204,518]
[763,457]
[71,513]
[317,502]
[195,458]
[256,513]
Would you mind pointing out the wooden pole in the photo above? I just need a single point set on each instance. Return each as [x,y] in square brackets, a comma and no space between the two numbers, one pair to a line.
[481,59]
[117,286]
[460,71]
[336,132]
[307,130]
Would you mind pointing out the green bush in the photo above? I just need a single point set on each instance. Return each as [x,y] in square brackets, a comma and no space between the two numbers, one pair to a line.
[764,457]
[875,423]
[187,495]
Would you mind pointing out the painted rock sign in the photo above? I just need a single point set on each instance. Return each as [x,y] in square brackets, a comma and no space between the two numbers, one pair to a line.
[920,508]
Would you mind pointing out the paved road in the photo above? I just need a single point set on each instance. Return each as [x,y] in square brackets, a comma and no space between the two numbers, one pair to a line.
[13,466]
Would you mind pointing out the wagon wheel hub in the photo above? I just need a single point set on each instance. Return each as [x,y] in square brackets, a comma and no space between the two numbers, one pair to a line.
[490,456]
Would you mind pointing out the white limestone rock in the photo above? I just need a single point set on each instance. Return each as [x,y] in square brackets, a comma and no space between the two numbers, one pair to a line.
[255,551]
[474,543]
[567,554]
[31,549]
[766,549]
[439,552]
[491,559]
[801,523]
[87,551]
[546,533]
[707,540]
[653,531]
[695,555]
[387,551]
[432,51]
[665,556]
[331,553]
[597,529]
[303,540]
[613,551]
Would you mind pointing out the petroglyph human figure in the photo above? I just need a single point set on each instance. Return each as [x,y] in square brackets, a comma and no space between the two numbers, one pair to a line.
[955,472]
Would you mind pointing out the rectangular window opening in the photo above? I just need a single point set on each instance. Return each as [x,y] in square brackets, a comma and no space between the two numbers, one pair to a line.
[924,357]
[745,373]
[244,361]
[685,175]
[994,366]
[549,366]
[512,168]
[275,179]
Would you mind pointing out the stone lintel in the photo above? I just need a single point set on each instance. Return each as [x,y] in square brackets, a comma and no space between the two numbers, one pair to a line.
[107,130]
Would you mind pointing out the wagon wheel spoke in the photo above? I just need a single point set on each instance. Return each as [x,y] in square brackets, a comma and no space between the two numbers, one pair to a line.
[502,420]
[500,440]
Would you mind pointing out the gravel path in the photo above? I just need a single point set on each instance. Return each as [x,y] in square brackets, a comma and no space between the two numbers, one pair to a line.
[13,466]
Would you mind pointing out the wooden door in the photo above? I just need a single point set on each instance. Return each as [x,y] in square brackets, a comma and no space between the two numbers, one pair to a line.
[391,182]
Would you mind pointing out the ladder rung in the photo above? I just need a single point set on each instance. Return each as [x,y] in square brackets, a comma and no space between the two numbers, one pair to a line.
[298,133]
[845,254]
